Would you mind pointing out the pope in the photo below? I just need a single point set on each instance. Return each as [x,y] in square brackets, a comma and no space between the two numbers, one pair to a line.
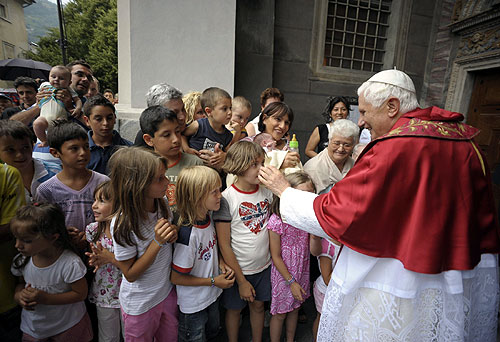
[417,222]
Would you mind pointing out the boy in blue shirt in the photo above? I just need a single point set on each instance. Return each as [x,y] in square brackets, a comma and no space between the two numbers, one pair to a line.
[99,115]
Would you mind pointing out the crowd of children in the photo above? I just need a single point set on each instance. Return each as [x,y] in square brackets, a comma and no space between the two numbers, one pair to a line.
[150,242]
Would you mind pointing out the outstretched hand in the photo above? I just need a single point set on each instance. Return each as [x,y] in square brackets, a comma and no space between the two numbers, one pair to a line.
[273,179]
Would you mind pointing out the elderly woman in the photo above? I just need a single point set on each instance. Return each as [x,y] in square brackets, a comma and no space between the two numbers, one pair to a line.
[333,163]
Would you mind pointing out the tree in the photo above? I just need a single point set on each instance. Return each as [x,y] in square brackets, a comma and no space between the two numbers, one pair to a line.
[91,32]
[103,52]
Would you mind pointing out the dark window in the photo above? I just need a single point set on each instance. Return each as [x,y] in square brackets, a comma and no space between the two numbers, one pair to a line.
[356,33]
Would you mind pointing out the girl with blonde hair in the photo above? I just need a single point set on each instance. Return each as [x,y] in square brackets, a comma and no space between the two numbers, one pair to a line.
[196,263]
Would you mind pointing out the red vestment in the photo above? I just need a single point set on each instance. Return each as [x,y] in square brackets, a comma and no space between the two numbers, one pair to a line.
[420,194]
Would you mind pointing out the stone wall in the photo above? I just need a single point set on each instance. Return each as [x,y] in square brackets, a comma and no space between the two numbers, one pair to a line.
[437,78]
[273,48]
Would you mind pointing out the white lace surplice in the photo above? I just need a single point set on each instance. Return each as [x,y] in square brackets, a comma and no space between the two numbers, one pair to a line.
[377,299]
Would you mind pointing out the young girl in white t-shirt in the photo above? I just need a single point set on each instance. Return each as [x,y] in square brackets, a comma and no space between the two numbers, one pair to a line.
[52,284]
[195,268]
[142,238]
[241,225]
[108,277]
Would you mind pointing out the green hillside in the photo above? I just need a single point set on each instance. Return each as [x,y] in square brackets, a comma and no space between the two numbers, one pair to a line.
[39,17]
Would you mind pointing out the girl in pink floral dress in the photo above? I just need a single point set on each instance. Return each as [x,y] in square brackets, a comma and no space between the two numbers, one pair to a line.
[106,285]
[290,268]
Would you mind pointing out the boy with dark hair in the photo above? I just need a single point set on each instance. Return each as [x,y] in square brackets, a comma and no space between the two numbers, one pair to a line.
[162,132]
[72,188]
[108,93]
[99,115]
[26,88]
[16,145]
[5,102]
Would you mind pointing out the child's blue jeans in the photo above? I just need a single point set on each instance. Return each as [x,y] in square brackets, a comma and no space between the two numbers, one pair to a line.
[200,326]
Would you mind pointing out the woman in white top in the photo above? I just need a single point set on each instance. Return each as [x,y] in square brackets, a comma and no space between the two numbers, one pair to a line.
[333,163]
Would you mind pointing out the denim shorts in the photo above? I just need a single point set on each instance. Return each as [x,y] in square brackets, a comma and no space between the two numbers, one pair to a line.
[200,326]
[261,282]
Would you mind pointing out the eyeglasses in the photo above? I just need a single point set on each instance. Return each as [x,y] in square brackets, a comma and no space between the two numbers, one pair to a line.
[337,144]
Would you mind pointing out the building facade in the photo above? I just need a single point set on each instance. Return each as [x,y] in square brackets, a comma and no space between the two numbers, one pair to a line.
[13,34]
[311,50]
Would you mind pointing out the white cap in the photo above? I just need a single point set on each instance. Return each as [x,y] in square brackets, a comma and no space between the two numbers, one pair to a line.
[394,77]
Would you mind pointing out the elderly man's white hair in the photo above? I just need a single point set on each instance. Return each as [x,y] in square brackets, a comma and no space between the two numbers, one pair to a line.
[161,93]
[346,129]
[390,83]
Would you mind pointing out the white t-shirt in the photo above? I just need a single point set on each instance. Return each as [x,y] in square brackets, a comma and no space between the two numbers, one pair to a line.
[50,320]
[196,254]
[154,285]
[248,213]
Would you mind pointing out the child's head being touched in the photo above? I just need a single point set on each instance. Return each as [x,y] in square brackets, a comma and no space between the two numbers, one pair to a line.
[298,180]
[244,159]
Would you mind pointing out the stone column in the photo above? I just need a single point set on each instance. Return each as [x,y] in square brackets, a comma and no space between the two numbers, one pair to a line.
[188,44]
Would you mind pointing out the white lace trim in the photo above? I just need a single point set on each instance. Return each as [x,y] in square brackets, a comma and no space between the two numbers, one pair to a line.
[432,314]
